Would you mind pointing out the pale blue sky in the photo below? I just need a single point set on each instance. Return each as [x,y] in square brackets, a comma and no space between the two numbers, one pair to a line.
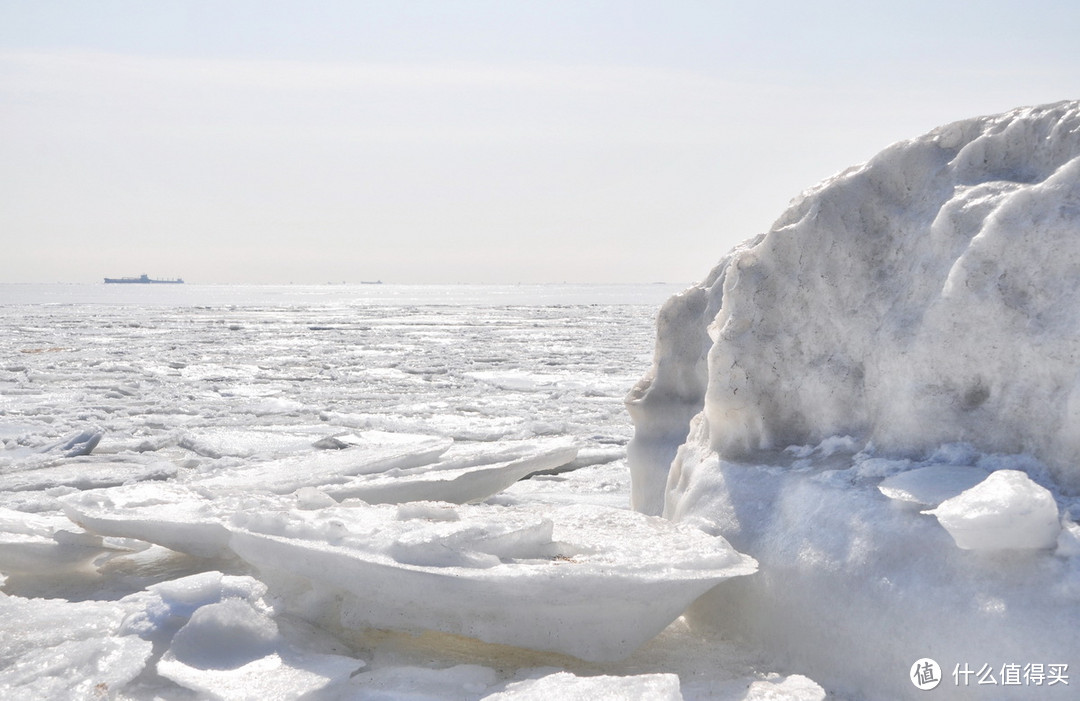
[471,141]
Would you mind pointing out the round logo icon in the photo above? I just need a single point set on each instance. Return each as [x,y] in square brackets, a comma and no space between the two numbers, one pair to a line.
[925,674]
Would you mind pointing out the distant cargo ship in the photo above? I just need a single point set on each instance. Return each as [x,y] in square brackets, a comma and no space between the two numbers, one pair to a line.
[143,279]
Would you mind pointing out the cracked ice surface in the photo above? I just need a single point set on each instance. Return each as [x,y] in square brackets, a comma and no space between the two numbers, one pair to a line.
[181,482]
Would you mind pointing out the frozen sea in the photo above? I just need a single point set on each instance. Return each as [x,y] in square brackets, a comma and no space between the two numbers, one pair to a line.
[211,392]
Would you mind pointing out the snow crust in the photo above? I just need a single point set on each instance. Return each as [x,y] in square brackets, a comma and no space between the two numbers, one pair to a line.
[905,336]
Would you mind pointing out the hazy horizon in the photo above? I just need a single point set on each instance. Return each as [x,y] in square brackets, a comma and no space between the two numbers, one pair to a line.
[470,142]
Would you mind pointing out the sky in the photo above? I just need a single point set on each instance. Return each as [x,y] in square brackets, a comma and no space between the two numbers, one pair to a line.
[472,141]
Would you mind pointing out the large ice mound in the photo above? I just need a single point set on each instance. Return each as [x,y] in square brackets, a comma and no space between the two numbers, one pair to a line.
[879,400]
[931,295]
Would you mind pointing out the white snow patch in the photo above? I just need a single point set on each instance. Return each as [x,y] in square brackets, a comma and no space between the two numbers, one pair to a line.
[1004,511]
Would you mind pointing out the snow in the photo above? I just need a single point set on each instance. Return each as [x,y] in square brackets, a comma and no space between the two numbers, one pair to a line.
[905,336]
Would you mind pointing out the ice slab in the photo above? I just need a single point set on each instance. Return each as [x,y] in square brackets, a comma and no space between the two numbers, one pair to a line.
[375,451]
[167,514]
[587,581]
[931,485]
[268,441]
[465,682]
[1007,510]
[456,485]
[35,543]
[81,443]
[86,473]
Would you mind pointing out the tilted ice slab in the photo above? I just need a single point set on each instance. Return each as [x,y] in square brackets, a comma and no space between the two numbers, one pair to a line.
[192,517]
[172,515]
[374,451]
[457,485]
[930,296]
[585,581]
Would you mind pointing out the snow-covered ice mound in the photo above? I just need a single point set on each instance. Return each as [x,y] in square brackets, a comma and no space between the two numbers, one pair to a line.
[931,295]
[928,298]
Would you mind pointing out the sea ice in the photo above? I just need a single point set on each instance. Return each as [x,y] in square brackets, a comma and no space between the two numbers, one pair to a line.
[1004,511]
[86,473]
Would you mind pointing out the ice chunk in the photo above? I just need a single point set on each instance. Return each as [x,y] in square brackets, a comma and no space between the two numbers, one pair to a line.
[795,687]
[931,485]
[458,486]
[836,568]
[567,686]
[167,514]
[81,443]
[1007,510]
[587,581]
[231,651]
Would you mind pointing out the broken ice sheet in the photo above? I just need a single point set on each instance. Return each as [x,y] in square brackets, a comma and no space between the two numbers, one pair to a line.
[588,581]
[456,485]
